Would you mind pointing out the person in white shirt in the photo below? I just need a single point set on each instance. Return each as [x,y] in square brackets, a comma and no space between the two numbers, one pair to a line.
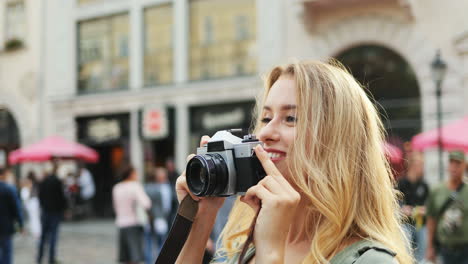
[86,183]
[87,191]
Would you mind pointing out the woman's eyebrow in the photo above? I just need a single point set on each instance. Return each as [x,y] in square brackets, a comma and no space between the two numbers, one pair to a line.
[283,107]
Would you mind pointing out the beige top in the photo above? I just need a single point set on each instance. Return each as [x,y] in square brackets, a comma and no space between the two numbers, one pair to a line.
[126,196]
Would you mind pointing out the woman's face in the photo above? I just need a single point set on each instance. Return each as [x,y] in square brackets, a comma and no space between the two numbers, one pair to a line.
[279,121]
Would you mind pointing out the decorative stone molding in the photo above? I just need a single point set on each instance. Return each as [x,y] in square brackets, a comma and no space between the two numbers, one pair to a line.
[27,86]
[215,91]
[22,115]
[317,13]
[405,39]
[461,43]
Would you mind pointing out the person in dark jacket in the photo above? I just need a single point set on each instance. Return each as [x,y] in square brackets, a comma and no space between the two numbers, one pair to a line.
[10,213]
[53,205]
[415,191]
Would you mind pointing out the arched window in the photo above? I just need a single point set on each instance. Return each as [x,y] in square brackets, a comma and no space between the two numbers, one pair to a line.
[9,136]
[390,80]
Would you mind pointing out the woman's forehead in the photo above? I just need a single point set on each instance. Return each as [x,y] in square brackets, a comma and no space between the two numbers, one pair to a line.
[282,93]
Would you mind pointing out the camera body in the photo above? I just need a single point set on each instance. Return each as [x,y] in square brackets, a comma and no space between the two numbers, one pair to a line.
[225,166]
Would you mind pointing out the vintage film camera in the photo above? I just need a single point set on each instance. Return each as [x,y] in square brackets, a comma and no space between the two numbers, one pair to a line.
[225,166]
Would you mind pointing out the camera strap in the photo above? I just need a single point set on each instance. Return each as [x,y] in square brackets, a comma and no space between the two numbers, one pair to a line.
[179,232]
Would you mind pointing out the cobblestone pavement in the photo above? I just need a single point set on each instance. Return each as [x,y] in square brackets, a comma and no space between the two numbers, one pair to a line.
[85,242]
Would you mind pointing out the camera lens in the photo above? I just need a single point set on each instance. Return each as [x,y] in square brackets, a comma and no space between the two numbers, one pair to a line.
[207,175]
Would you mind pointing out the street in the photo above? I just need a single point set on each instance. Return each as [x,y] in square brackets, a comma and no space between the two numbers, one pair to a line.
[90,242]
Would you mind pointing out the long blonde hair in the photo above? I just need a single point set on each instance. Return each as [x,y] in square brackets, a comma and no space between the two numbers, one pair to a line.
[337,163]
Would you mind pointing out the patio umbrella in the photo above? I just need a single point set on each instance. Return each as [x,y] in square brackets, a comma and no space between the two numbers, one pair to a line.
[454,137]
[394,154]
[53,147]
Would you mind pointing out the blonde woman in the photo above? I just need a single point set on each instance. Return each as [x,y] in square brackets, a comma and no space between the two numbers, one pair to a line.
[328,196]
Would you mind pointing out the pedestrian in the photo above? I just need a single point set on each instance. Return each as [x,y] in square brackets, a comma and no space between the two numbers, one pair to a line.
[447,215]
[128,195]
[161,194]
[87,190]
[172,173]
[10,214]
[53,204]
[29,195]
[415,191]
[72,192]
[328,196]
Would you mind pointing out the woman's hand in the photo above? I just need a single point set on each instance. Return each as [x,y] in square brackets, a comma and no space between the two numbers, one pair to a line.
[208,206]
[277,201]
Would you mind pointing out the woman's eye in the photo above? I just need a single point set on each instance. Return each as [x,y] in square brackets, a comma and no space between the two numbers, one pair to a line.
[265,120]
[291,119]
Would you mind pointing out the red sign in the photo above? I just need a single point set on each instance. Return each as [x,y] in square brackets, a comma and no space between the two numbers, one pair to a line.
[155,122]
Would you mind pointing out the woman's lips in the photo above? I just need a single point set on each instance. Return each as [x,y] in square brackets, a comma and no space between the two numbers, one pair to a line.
[276,155]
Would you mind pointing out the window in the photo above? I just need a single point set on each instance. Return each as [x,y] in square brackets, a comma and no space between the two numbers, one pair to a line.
[103,54]
[392,83]
[15,25]
[158,60]
[242,29]
[222,38]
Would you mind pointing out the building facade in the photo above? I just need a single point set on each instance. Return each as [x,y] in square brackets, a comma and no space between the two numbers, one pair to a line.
[21,84]
[377,39]
[194,66]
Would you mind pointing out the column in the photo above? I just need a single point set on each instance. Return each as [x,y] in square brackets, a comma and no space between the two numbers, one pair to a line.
[136,47]
[270,15]
[181,40]
[136,148]
[182,136]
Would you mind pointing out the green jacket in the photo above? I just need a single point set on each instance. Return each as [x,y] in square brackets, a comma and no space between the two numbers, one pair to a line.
[362,252]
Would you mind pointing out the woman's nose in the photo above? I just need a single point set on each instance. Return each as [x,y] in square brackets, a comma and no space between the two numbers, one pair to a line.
[269,132]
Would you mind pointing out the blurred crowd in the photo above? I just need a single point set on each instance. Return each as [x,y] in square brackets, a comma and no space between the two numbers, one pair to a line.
[44,200]
[437,224]
[144,214]
[436,221]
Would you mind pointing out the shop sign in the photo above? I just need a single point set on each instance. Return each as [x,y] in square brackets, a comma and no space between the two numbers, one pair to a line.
[102,130]
[154,122]
[226,119]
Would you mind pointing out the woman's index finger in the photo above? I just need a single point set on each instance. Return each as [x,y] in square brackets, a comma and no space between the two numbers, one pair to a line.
[204,140]
[267,164]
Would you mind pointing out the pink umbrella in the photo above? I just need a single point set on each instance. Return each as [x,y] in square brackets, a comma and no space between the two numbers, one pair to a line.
[454,137]
[393,153]
[53,147]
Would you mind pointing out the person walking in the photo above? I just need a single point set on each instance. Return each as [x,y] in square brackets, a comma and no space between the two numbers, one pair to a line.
[29,195]
[172,175]
[415,192]
[128,195]
[53,204]
[10,214]
[161,194]
[87,190]
[447,215]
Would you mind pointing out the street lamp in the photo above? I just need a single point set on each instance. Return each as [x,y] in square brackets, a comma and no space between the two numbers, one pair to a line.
[439,68]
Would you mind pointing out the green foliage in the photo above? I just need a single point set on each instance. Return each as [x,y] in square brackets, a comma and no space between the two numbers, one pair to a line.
[13,44]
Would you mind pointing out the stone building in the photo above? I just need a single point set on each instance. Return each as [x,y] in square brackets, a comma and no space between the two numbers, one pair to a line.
[142,80]
[21,69]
